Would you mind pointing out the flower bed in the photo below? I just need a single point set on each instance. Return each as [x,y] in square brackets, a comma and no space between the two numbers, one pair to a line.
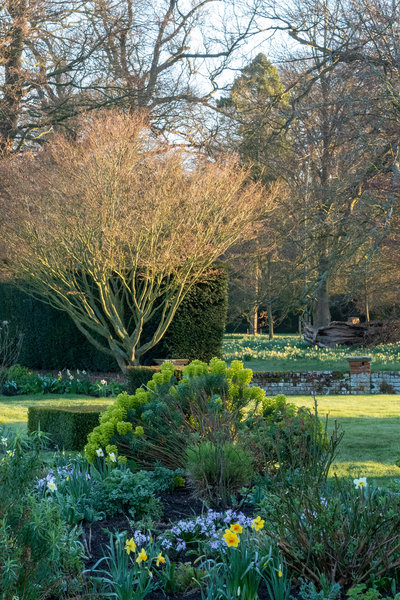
[141,520]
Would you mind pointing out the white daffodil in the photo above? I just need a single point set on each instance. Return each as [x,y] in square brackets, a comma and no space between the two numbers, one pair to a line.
[51,485]
[360,483]
[112,457]
[4,441]
[99,452]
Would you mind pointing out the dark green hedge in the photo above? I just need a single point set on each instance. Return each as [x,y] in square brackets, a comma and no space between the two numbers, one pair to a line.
[68,427]
[52,341]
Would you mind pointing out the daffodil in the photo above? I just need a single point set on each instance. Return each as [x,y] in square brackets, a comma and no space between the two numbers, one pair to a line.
[4,441]
[160,560]
[231,538]
[258,523]
[130,546]
[236,528]
[52,486]
[99,452]
[142,556]
[112,457]
[10,452]
[280,573]
[360,483]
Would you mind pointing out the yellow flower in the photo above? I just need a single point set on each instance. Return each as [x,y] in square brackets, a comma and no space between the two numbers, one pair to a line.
[1,420]
[258,523]
[130,546]
[67,478]
[160,559]
[142,556]
[231,538]
[280,574]
[236,528]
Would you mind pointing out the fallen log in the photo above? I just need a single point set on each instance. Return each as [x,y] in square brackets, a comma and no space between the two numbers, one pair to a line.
[342,333]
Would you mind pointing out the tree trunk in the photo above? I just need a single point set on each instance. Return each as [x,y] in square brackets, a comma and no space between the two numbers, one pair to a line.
[270,315]
[323,315]
[254,319]
[270,322]
[13,76]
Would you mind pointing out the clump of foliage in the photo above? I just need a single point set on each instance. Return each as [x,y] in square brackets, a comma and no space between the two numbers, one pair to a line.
[218,470]
[18,380]
[285,439]
[336,533]
[204,411]
[155,422]
[39,554]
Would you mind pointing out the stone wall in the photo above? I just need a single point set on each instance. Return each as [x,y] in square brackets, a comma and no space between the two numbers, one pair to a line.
[327,382]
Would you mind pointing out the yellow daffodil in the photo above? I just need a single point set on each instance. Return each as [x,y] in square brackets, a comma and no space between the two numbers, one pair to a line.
[236,528]
[160,560]
[142,556]
[130,546]
[280,574]
[258,523]
[231,538]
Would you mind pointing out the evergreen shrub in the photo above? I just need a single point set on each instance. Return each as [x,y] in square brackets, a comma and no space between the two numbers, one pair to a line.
[68,427]
[52,341]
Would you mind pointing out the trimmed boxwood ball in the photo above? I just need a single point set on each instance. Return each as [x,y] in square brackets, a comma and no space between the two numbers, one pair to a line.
[68,427]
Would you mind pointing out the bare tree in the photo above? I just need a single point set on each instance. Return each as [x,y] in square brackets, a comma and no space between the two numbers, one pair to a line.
[114,228]
[44,46]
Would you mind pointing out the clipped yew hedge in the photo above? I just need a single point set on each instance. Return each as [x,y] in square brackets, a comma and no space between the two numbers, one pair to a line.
[68,427]
[52,341]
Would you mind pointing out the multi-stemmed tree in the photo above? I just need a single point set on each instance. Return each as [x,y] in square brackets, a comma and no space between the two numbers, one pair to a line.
[114,227]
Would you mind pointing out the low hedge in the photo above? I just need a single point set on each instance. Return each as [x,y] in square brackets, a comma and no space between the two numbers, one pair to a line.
[68,427]
[137,376]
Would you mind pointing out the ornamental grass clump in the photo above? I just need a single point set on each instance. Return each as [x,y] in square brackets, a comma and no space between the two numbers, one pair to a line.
[218,471]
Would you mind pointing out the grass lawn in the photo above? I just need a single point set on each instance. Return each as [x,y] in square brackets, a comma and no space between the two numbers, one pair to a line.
[291,353]
[371,425]
[14,409]
[370,446]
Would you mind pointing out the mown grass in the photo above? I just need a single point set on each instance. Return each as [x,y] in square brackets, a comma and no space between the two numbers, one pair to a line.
[14,410]
[291,353]
[371,425]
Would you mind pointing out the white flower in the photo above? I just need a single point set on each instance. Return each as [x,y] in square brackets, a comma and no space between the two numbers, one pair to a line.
[59,374]
[103,382]
[77,371]
[71,377]
[112,457]
[83,372]
[10,452]
[99,452]
[4,441]
[360,483]
[68,372]
[51,485]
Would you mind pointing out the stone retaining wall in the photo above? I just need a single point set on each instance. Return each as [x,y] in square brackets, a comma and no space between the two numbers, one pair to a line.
[327,382]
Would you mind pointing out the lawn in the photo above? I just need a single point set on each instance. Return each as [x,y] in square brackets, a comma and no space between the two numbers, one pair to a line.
[371,425]
[291,353]
[14,410]
[370,446]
